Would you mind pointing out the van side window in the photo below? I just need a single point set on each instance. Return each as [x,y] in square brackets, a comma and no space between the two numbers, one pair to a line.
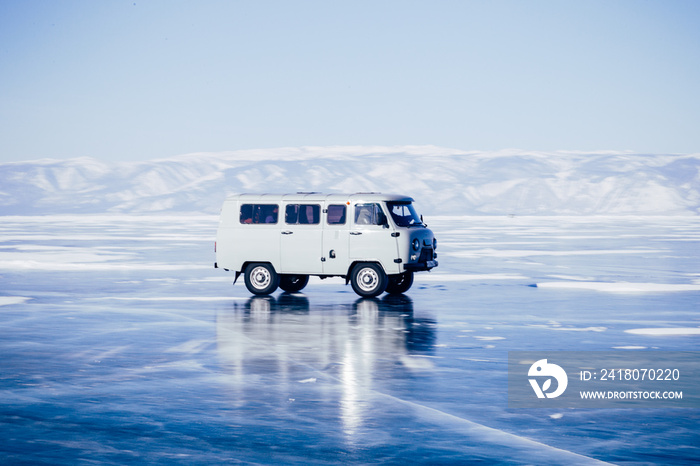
[302,214]
[336,214]
[369,214]
[259,213]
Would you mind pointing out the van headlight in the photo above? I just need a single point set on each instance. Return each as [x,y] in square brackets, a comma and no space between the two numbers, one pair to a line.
[434,244]
[415,244]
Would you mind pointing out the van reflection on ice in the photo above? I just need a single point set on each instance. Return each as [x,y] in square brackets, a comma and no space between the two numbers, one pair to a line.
[282,348]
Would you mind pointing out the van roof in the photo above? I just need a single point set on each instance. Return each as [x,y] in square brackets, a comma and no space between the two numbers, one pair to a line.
[319,197]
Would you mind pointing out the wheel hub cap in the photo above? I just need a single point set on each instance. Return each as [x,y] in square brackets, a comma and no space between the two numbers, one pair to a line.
[261,277]
[368,279]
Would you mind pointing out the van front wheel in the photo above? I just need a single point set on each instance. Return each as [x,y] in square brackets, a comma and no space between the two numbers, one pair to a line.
[293,283]
[368,280]
[261,279]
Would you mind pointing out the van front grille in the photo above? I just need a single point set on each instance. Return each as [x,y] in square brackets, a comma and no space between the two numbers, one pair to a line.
[426,254]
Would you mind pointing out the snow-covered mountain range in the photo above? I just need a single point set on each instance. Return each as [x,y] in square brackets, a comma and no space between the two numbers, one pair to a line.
[442,181]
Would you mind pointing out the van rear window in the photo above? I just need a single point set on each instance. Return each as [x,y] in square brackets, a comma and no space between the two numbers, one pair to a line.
[302,214]
[259,213]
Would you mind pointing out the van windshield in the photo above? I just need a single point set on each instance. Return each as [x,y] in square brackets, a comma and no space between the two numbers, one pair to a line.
[404,214]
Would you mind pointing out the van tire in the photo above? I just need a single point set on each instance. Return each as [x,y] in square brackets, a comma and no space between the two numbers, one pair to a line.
[399,283]
[293,283]
[368,279]
[261,278]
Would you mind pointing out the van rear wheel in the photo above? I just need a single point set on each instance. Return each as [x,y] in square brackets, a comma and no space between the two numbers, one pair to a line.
[399,283]
[368,280]
[261,279]
[293,283]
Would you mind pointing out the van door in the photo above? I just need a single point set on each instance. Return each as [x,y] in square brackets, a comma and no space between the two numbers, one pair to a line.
[301,239]
[335,239]
[255,236]
[373,238]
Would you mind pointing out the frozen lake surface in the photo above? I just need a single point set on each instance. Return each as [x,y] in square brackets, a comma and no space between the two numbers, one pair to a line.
[122,344]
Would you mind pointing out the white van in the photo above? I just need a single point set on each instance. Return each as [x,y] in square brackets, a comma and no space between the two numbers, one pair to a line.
[375,241]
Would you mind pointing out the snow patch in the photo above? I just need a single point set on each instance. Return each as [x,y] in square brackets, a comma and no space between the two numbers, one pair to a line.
[172,298]
[556,326]
[514,253]
[683,331]
[621,287]
[94,266]
[9,300]
[460,277]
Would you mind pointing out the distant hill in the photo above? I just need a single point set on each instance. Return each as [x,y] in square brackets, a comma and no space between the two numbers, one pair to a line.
[443,181]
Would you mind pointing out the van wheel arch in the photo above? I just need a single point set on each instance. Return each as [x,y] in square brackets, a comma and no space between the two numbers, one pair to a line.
[348,275]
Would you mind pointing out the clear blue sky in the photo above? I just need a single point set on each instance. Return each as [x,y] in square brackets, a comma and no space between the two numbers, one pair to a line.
[139,79]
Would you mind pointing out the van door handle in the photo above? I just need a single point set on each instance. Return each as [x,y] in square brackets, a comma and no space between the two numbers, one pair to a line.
[355,232]
[287,232]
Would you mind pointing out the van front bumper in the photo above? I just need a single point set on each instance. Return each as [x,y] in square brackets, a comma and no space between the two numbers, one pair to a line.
[420,266]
